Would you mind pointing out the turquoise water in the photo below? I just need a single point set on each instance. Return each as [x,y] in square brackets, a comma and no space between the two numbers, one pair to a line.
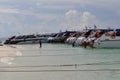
[61,62]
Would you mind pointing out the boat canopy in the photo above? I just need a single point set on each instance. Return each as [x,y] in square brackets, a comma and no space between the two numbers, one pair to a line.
[118,29]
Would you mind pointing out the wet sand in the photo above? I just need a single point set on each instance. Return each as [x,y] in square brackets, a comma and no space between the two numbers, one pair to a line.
[6,51]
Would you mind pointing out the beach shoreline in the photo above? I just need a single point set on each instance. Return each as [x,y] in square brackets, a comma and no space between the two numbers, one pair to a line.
[6,51]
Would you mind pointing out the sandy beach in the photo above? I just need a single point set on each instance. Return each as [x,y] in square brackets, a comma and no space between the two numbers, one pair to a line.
[6,51]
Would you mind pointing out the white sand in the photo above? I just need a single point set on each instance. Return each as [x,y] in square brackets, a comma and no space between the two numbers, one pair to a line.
[6,51]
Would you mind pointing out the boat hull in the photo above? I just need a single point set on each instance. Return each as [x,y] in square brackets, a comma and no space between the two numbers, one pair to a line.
[107,44]
[27,41]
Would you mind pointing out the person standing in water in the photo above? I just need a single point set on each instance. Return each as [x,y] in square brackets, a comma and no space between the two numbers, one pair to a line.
[40,43]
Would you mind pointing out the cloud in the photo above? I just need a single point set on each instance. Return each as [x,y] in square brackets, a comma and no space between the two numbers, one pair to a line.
[9,10]
[70,20]
[71,12]
[75,20]
[87,19]
[27,16]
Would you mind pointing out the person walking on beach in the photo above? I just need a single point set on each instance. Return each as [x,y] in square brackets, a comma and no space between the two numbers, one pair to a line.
[40,43]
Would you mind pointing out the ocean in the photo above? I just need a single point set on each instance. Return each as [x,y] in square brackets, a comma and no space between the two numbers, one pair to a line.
[60,62]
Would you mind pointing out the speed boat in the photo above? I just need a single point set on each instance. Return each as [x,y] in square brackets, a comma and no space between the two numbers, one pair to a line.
[103,39]
[109,39]
[1,44]
[27,39]
[60,37]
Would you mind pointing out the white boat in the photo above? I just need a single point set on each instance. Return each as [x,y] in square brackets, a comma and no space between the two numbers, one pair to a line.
[1,43]
[79,40]
[72,38]
[108,40]
[27,39]
[63,37]
[102,39]
[82,38]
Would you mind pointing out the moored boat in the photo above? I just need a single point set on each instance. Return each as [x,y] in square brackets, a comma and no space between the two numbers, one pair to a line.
[27,39]
[103,39]
[60,37]
[108,40]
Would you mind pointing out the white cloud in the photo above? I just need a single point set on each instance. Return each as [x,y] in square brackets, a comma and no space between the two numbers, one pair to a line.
[9,10]
[75,20]
[71,12]
[70,20]
[87,19]
[38,15]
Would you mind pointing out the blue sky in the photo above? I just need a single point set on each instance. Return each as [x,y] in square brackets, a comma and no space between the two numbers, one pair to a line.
[44,16]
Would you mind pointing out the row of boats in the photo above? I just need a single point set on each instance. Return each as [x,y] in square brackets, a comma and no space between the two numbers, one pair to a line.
[98,38]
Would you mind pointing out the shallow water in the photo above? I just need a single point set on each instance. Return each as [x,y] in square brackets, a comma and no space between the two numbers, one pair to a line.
[60,62]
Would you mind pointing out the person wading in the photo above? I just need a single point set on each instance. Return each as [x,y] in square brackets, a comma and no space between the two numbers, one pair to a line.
[40,43]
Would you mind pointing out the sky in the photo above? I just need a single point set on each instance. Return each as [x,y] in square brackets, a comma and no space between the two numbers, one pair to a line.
[46,16]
